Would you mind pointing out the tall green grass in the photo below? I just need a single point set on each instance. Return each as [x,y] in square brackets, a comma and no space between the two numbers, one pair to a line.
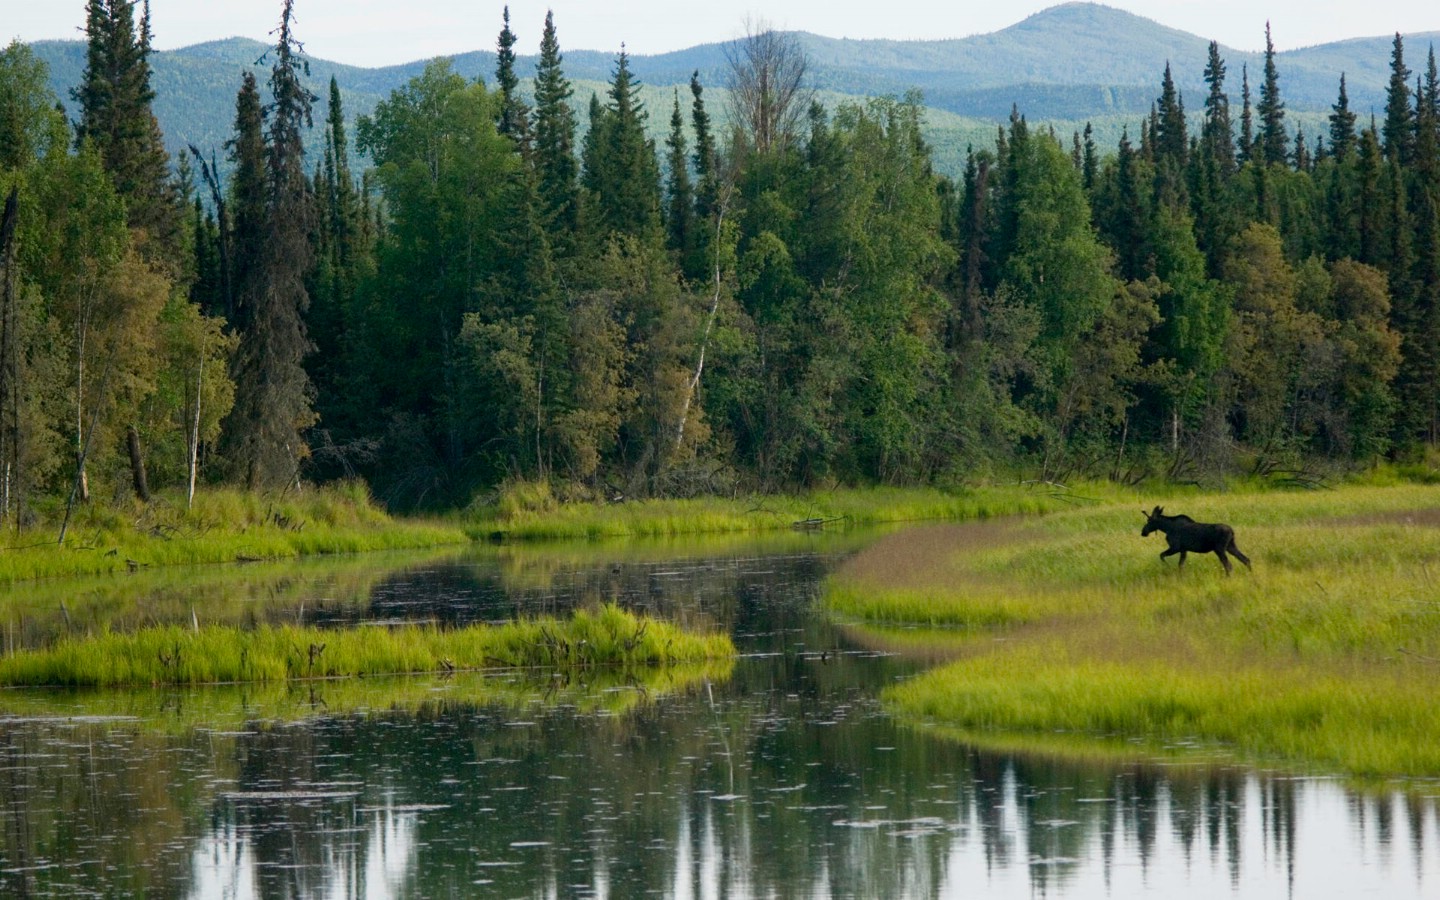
[1322,656]
[223,526]
[534,518]
[608,636]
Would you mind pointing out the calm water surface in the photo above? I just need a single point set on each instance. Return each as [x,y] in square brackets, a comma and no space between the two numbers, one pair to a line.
[783,780]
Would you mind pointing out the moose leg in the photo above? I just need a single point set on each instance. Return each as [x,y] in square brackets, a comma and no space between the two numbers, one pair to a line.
[1183,554]
[1171,552]
[1224,560]
[1235,552]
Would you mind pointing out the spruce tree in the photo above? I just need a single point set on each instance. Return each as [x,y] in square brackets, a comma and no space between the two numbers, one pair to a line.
[1246,150]
[1217,138]
[1171,137]
[1090,159]
[680,209]
[1271,109]
[247,199]
[705,159]
[274,397]
[621,171]
[1370,200]
[555,144]
[340,255]
[1424,281]
[115,100]
[514,118]
[1301,156]
[1399,130]
[1342,125]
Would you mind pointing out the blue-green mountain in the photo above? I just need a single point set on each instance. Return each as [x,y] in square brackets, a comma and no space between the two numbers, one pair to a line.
[1067,65]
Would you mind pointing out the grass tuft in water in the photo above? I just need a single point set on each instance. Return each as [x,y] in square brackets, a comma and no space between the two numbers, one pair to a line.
[606,637]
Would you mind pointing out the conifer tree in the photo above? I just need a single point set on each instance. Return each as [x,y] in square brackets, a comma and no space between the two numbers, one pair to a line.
[341,255]
[555,144]
[247,199]
[1370,199]
[1271,109]
[1424,280]
[1399,130]
[1171,137]
[273,403]
[1342,125]
[115,100]
[514,119]
[1217,138]
[705,159]
[1123,212]
[621,171]
[1246,150]
[680,207]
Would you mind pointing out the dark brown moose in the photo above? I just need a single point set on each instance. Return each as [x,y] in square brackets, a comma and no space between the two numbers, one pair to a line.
[1185,535]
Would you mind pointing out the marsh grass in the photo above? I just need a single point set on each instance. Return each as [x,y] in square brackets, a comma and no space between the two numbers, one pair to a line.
[714,515]
[1323,656]
[604,637]
[223,526]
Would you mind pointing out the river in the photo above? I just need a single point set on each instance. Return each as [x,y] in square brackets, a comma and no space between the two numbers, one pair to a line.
[780,778]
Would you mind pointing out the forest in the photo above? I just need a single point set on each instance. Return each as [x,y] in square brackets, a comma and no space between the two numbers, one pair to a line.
[477,287]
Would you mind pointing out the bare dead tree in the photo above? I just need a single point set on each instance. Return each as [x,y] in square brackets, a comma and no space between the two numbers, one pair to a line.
[769,96]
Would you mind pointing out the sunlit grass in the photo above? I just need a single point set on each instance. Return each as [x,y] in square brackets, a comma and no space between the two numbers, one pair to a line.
[223,526]
[608,636]
[716,515]
[1323,655]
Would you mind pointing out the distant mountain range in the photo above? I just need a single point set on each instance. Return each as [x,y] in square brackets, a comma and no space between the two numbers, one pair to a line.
[1066,65]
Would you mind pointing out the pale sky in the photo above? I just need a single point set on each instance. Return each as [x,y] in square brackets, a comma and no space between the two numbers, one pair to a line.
[384,32]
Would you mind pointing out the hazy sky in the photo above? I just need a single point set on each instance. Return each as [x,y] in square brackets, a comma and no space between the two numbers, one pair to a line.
[382,32]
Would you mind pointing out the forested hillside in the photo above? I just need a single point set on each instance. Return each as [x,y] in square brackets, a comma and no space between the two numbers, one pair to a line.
[773,294]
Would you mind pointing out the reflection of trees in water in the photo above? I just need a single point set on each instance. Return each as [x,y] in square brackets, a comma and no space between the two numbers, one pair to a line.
[768,792]
[97,808]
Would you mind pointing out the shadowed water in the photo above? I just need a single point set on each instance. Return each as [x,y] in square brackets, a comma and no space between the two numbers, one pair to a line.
[784,779]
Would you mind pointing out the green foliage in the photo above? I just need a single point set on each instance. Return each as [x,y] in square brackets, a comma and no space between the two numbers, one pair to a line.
[802,302]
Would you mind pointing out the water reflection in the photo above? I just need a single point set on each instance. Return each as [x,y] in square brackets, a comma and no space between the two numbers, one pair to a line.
[783,780]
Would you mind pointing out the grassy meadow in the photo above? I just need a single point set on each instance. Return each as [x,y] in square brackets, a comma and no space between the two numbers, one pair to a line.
[1070,631]
[172,655]
[532,512]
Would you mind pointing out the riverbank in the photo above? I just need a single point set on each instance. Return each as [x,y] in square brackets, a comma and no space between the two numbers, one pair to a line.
[534,514]
[234,526]
[222,526]
[1322,657]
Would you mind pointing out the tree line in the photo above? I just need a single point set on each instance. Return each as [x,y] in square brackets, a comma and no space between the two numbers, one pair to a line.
[777,295]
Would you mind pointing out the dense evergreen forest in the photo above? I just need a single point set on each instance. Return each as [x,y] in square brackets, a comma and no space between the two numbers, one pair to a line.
[781,295]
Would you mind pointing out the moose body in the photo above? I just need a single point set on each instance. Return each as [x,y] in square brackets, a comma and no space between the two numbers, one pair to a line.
[1185,535]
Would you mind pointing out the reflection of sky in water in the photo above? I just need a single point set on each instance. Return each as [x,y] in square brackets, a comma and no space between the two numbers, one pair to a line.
[1337,845]
[225,865]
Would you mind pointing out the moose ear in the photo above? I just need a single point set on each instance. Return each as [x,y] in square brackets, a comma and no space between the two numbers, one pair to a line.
[1158,510]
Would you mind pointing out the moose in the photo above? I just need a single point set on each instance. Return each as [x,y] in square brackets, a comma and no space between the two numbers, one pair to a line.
[1185,535]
